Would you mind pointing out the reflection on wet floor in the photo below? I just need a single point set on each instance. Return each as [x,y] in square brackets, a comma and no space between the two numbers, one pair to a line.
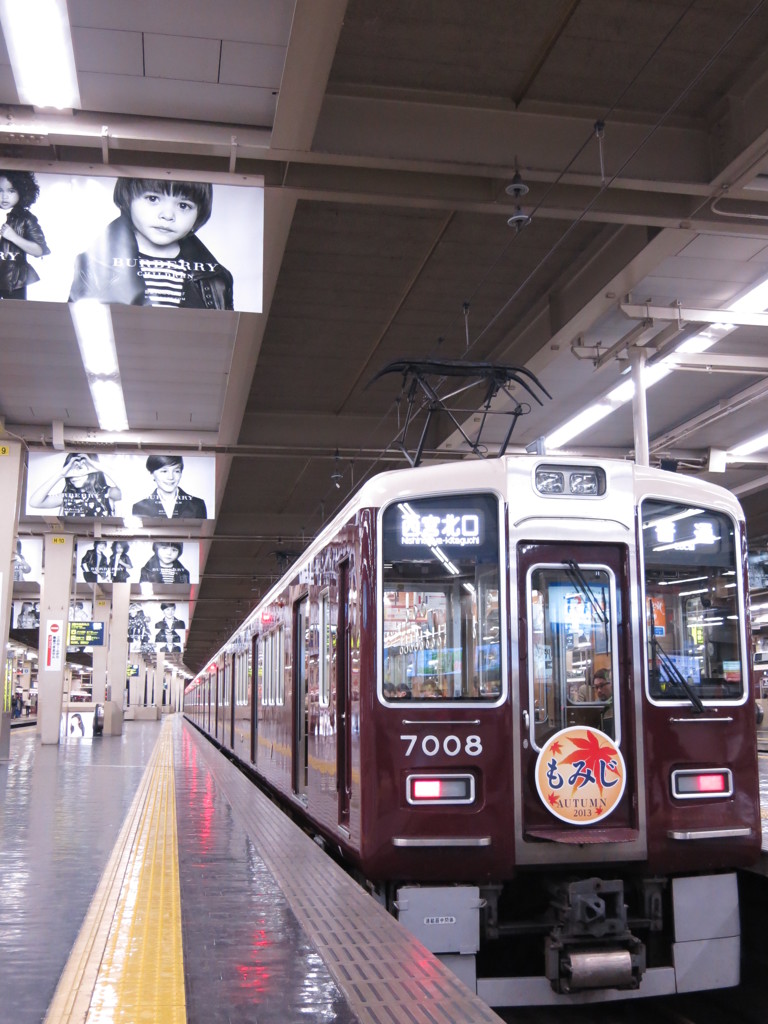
[246,955]
[763,765]
[61,809]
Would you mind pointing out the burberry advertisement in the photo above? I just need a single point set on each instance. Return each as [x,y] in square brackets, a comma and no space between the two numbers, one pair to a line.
[160,562]
[27,560]
[85,485]
[157,626]
[131,241]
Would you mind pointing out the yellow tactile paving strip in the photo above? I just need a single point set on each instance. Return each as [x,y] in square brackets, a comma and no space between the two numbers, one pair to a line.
[126,965]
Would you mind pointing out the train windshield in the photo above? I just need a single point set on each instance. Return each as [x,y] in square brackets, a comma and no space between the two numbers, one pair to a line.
[441,615]
[691,604]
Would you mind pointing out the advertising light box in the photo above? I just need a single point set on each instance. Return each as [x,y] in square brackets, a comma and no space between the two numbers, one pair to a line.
[161,562]
[136,241]
[27,560]
[158,627]
[85,485]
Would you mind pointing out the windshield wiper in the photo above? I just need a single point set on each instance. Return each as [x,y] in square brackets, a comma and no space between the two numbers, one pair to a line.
[581,584]
[677,676]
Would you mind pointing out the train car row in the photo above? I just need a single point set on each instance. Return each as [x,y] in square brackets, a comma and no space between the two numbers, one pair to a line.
[514,695]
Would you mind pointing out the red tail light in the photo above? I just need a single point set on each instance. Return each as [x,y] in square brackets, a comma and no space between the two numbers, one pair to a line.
[440,789]
[701,783]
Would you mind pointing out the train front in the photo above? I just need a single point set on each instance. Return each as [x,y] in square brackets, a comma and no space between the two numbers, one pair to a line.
[565,743]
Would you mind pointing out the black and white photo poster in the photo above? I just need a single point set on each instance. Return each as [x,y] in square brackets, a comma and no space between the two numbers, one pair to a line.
[89,485]
[158,626]
[133,241]
[27,560]
[160,562]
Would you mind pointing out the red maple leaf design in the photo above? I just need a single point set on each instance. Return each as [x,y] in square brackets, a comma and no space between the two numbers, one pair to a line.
[552,798]
[591,753]
[555,747]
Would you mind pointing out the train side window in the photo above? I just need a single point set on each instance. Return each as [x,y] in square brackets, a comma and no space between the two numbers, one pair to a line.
[692,608]
[441,599]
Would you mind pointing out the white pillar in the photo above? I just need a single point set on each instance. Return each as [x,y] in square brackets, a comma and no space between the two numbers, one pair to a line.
[639,357]
[10,487]
[136,685]
[54,613]
[117,652]
[156,696]
[102,608]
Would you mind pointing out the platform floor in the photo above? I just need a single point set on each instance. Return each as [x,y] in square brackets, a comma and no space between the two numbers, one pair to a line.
[145,880]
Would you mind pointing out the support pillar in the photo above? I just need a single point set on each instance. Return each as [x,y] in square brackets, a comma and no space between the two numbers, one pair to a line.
[54,615]
[102,608]
[136,684]
[10,487]
[157,691]
[117,652]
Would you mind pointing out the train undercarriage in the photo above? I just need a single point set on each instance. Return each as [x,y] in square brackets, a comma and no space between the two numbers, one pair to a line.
[581,940]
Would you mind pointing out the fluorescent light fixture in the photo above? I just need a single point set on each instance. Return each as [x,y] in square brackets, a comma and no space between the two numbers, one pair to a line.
[133,523]
[108,401]
[93,327]
[755,444]
[96,340]
[39,42]
[755,300]
[677,583]
[585,419]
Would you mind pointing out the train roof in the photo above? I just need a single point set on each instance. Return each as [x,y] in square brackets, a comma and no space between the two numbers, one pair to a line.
[485,474]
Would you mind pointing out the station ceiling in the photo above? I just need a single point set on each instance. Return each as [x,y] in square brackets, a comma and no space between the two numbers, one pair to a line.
[387,136]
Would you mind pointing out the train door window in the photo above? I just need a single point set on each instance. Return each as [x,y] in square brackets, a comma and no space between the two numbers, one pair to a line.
[241,686]
[693,614]
[441,599]
[269,676]
[571,648]
[227,682]
[302,694]
[279,664]
[327,640]
[256,669]
[274,668]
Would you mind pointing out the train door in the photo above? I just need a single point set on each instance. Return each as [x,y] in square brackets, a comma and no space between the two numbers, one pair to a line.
[255,694]
[300,698]
[232,668]
[575,698]
[343,700]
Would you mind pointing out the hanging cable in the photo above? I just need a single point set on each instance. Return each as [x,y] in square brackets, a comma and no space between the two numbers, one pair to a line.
[600,135]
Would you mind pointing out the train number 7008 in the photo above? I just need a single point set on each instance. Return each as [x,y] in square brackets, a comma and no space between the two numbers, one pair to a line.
[451,745]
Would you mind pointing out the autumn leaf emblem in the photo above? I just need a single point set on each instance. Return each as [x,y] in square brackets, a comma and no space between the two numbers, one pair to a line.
[592,756]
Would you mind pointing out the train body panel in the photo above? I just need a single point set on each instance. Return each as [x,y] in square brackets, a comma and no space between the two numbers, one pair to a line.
[520,685]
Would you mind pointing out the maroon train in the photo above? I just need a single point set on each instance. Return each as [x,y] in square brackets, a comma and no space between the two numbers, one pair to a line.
[515,695]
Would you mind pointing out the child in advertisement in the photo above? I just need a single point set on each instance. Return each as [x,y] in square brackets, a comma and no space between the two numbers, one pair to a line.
[150,255]
[20,233]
